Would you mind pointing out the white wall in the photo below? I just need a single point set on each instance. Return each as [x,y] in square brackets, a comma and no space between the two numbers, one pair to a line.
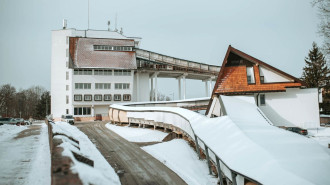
[58,73]
[272,76]
[101,109]
[141,84]
[295,107]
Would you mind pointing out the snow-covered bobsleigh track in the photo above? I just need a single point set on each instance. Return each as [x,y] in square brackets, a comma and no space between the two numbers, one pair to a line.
[241,147]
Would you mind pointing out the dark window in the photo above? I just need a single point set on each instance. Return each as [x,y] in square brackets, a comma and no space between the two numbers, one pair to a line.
[88,97]
[82,111]
[107,97]
[77,97]
[67,111]
[98,97]
[262,79]
[127,97]
[117,97]
[262,99]
[249,79]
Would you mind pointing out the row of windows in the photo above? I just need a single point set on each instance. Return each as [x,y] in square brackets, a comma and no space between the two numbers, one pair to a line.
[105,72]
[122,72]
[101,86]
[112,48]
[82,85]
[82,111]
[98,97]
[121,85]
[102,72]
[83,72]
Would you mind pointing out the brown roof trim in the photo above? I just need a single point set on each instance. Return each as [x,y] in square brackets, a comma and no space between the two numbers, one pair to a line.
[249,92]
[255,60]
[251,59]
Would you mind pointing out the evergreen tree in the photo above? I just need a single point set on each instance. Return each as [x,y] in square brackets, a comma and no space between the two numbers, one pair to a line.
[43,106]
[315,72]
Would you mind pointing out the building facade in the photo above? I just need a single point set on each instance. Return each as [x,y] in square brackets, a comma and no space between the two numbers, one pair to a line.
[92,69]
[280,96]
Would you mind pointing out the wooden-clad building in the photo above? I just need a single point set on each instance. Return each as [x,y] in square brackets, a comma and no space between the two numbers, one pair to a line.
[283,98]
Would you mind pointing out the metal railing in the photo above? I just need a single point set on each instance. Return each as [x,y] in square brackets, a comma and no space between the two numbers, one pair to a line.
[221,166]
[152,56]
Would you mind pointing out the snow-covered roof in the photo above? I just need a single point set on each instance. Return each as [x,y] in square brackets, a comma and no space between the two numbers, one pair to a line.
[83,55]
[247,143]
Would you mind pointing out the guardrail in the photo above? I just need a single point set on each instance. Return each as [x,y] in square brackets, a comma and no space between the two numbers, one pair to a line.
[120,115]
[152,56]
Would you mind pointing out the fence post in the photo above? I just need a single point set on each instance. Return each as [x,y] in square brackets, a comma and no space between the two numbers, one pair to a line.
[197,147]
[208,158]
[219,171]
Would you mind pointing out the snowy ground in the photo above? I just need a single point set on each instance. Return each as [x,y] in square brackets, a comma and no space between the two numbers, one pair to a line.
[183,160]
[24,154]
[176,154]
[321,135]
[137,134]
[102,173]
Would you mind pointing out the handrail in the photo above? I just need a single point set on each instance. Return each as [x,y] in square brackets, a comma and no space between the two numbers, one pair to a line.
[196,142]
[176,61]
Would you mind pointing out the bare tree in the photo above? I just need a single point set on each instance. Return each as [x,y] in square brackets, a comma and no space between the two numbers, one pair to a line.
[324,26]
[160,96]
[7,97]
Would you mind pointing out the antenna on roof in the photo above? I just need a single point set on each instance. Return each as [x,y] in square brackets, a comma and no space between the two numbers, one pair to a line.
[121,31]
[88,15]
[109,26]
[64,24]
[116,23]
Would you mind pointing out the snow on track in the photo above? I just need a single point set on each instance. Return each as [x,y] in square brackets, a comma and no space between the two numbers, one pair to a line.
[102,173]
[137,134]
[183,160]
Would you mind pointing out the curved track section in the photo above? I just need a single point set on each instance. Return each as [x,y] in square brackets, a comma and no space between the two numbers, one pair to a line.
[133,165]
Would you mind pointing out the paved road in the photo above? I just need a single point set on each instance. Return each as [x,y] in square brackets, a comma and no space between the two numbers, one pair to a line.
[133,165]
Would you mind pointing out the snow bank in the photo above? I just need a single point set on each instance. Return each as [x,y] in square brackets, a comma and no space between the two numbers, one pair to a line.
[102,173]
[10,131]
[138,134]
[321,135]
[26,159]
[246,142]
[182,159]
[41,162]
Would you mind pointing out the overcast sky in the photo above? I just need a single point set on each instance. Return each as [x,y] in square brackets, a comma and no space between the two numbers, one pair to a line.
[278,32]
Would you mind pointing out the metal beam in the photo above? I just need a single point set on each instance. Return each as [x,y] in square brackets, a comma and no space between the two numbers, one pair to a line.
[219,171]
[208,159]
[197,147]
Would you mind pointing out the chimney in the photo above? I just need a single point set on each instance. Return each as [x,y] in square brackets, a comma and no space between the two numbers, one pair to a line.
[64,24]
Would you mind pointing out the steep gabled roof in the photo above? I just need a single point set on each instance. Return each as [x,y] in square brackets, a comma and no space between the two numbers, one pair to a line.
[231,50]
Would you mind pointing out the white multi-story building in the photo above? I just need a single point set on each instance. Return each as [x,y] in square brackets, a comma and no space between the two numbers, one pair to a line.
[91,69]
